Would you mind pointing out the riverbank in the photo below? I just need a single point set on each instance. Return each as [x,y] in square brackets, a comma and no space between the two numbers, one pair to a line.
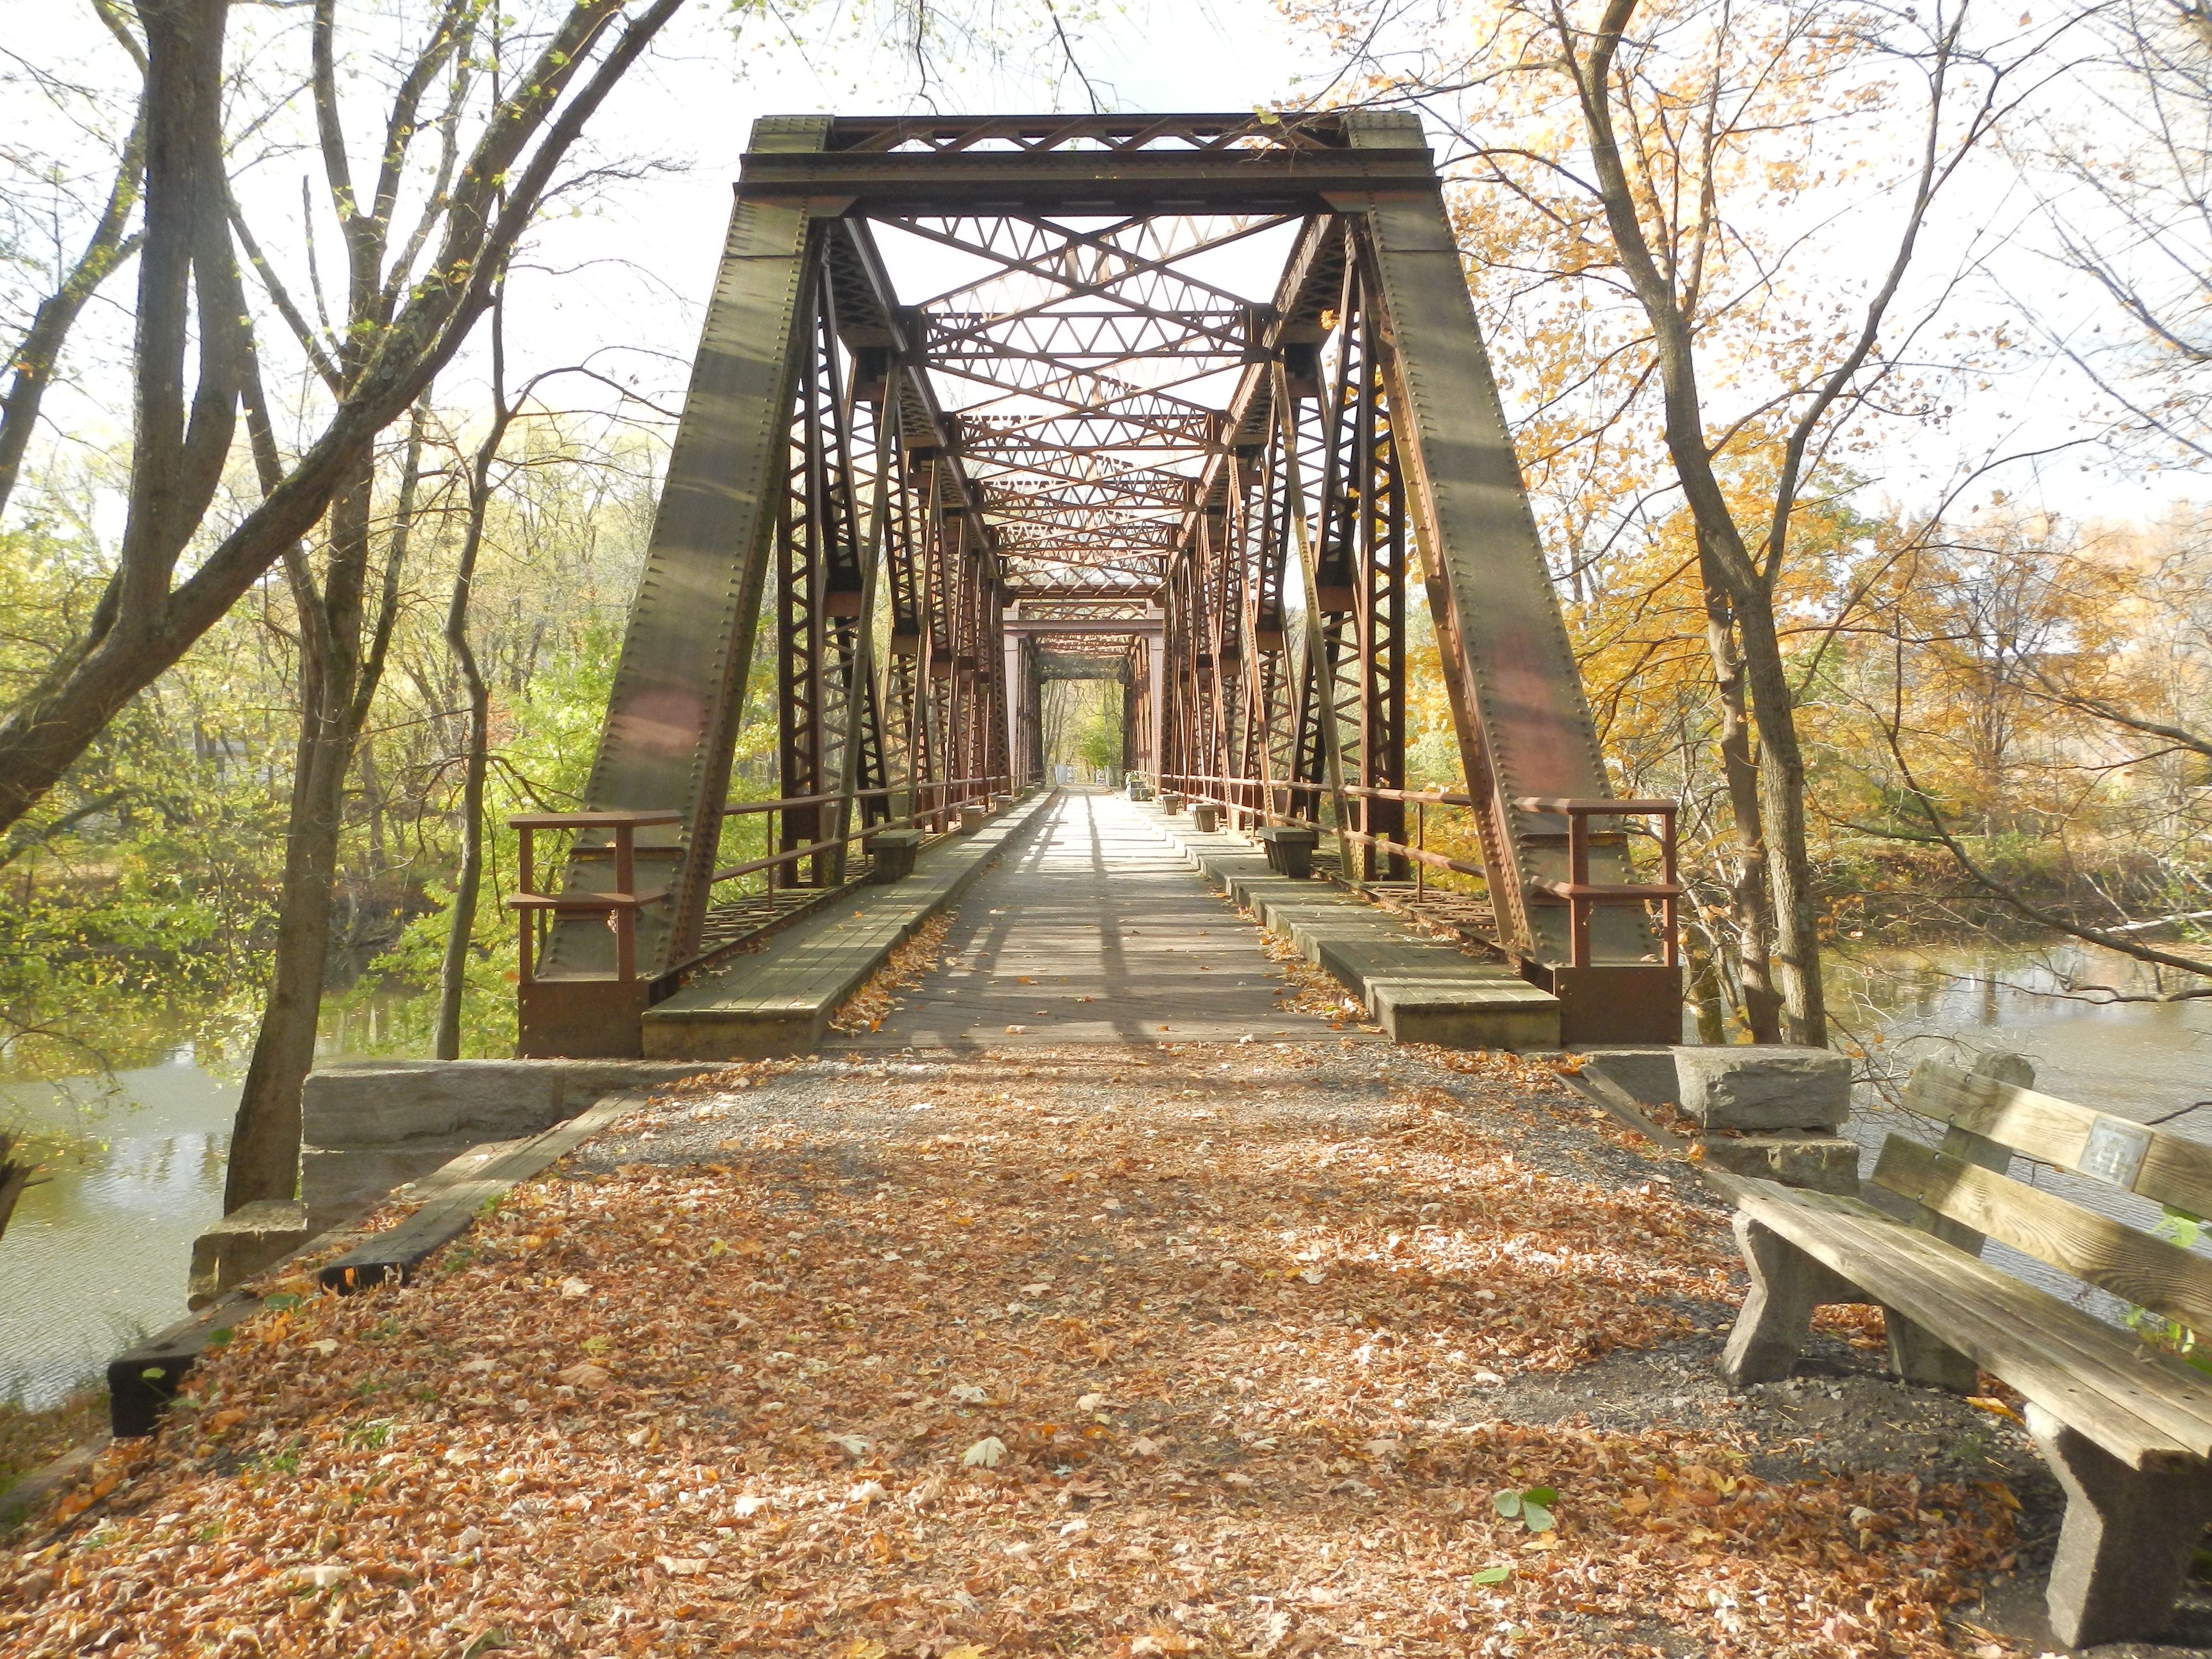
[31,1438]
[1142,1352]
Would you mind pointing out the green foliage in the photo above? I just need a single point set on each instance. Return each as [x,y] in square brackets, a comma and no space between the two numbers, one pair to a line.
[374,1436]
[134,900]
[553,731]
[1532,1506]
[138,902]
[2159,1331]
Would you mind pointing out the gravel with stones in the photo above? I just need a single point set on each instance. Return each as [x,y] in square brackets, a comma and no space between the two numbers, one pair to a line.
[1199,1350]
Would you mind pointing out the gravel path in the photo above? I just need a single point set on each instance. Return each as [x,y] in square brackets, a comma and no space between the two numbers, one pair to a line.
[1166,1349]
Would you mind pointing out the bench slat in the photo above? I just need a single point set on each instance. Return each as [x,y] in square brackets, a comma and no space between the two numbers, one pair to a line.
[1964,1145]
[2151,1273]
[2142,1406]
[2073,1374]
[2027,1309]
[2172,1169]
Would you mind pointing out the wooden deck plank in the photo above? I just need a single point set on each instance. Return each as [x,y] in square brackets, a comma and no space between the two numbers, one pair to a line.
[779,1000]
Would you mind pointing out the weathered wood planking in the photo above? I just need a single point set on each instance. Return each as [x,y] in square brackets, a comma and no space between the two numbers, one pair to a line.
[2140,1406]
[2151,1273]
[2163,1168]
[2185,1389]
[395,1254]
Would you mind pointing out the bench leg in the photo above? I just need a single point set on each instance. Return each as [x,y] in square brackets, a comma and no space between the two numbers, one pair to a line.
[1786,1285]
[1924,1360]
[2127,1539]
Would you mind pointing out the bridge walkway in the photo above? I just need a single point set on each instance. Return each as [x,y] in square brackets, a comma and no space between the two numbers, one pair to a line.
[1095,928]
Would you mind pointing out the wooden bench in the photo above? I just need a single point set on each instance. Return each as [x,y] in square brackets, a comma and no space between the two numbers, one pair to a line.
[2127,1429]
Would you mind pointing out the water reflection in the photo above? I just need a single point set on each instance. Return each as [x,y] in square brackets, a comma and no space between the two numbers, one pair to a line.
[95,1257]
[2138,1059]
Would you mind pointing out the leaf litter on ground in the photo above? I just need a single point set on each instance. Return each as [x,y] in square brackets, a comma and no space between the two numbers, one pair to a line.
[1091,1358]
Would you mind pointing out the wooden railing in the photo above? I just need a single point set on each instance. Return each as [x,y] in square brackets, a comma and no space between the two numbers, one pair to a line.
[620,905]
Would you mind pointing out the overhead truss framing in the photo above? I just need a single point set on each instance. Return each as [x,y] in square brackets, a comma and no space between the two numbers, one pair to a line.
[1189,402]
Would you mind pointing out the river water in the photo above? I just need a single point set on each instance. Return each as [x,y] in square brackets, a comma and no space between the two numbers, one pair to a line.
[2137,1060]
[96,1254]
[96,1257]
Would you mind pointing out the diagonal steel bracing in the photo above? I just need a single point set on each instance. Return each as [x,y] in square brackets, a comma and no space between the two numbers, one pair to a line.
[1193,402]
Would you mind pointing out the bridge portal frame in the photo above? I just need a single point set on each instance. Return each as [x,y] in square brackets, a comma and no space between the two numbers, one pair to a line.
[1364,447]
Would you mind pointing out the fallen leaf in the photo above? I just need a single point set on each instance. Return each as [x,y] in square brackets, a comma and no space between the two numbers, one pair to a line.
[985,1453]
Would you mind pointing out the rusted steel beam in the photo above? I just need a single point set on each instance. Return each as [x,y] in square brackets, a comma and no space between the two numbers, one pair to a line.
[1079,182]
[1095,454]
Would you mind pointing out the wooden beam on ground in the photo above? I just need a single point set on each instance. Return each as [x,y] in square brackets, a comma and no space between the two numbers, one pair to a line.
[395,1255]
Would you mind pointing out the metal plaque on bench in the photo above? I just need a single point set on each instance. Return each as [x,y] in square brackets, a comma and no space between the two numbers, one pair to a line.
[2115,1151]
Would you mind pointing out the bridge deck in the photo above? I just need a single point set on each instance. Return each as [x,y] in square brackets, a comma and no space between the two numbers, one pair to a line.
[1096,929]
[1096,925]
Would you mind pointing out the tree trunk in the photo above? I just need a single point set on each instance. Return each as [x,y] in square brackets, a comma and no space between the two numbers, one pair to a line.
[1730,578]
[144,624]
[468,883]
[39,353]
[264,1138]
[339,673]
[1705,988]
[14,1177]
[1740,766]
[1782,791]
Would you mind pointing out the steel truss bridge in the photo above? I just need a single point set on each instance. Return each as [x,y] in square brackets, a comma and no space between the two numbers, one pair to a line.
[1188,402]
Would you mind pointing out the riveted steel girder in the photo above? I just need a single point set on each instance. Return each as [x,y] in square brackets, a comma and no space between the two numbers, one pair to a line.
[1094,450]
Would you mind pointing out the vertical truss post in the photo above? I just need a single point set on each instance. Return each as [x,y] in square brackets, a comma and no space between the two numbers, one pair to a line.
[861,764]
[1317,677]
[811,517]
[1524,727]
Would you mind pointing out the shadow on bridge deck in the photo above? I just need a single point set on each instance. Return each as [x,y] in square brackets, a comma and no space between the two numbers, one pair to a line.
[1097,930]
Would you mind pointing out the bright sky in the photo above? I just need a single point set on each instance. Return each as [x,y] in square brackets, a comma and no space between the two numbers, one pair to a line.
[701,97]
[628,277]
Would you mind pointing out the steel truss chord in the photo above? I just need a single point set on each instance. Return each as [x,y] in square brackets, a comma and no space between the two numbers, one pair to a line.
[1203,393]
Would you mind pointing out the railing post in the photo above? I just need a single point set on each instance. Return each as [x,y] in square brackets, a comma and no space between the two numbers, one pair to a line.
[625,916]
[1579,907]
[527,883]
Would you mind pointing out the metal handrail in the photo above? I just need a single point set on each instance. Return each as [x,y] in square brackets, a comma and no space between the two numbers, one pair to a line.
[1584,896]
[620,906]
[771,862]
[1581,895]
